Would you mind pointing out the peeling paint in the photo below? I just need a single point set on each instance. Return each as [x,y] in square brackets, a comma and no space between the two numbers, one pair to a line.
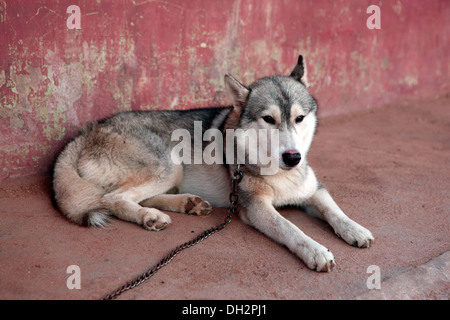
[411,81]
[397,7]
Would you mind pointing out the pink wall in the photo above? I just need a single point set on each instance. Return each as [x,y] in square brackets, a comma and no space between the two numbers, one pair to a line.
[131,55]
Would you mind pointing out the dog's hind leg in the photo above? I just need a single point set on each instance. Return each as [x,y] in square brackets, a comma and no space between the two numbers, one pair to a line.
[124,205]
[183,203]
[124,201]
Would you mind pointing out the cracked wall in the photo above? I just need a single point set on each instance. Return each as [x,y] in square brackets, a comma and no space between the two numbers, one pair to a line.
[164,54]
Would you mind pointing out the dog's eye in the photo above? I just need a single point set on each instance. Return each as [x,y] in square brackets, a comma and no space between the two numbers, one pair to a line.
[269,119]
[299,119]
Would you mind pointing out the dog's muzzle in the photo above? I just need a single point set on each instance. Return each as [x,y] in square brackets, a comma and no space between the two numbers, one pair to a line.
[291,158]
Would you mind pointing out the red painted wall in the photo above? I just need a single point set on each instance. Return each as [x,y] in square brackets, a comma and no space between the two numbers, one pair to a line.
[150,54]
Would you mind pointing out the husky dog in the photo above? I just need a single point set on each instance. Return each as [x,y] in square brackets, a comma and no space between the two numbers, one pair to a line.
[123,166]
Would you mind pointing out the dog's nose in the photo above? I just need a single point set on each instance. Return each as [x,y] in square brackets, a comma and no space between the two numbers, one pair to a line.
[291,158]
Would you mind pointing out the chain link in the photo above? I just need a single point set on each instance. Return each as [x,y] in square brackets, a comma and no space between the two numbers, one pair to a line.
[234,200]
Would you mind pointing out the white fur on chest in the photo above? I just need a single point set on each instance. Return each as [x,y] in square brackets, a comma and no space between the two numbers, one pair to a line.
[293,186]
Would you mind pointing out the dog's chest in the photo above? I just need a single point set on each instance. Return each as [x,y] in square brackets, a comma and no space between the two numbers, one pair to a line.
[292,187]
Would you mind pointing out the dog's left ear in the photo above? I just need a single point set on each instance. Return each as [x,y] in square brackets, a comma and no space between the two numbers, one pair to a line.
[299,73]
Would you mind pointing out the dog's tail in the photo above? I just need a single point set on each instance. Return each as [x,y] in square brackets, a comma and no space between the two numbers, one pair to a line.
[78,199]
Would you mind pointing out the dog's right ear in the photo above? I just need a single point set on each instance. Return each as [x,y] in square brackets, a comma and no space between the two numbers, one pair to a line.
[236,91]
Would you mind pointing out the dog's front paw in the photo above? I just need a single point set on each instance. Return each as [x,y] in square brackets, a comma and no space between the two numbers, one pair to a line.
[355,234]
[317,257]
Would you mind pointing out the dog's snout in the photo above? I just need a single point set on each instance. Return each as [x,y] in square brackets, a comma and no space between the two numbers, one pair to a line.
[291,158]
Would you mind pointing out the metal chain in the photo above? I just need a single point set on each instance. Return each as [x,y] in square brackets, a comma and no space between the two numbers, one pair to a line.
[234,199]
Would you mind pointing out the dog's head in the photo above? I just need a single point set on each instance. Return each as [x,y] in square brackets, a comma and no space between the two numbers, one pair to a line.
[283,107]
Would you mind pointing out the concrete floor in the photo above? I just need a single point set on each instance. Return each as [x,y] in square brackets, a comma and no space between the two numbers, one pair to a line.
[387,168]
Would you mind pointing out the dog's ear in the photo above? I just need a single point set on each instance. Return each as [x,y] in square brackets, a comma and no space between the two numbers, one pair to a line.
[236,91]
[299,73]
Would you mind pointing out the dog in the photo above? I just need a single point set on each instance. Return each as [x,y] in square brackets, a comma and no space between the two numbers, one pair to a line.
[126,166]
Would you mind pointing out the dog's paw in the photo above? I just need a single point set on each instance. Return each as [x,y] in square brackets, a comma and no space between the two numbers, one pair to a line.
[317,257]
[198,206]
[155,220]
[355,234]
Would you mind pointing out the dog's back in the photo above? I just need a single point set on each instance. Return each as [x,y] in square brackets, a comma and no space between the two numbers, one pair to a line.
[128,148]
